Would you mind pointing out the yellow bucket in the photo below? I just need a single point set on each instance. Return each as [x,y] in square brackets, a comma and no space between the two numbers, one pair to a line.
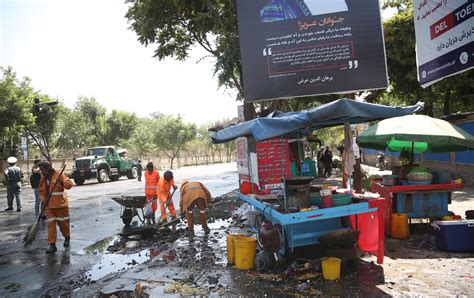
[231,247]
[245,250]
[331,268]
[400,228]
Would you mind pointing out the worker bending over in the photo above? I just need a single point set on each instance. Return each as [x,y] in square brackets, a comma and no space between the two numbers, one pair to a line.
[194,194]
[164,187]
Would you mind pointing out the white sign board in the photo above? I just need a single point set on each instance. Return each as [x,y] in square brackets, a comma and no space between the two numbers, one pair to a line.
[444,38]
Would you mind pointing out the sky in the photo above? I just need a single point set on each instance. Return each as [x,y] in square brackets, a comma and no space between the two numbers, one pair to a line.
[72,48]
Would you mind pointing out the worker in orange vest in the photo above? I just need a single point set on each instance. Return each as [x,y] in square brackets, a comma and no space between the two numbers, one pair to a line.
[194,194]
[57,210]
[152,177]
[164,186]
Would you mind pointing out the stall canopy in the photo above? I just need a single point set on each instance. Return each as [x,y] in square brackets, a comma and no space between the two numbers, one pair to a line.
[417,133]
[300,123]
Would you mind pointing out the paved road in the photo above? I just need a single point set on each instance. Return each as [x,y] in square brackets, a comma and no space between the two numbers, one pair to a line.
[95,219]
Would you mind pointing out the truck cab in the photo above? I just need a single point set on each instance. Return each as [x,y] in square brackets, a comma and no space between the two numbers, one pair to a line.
[103,163]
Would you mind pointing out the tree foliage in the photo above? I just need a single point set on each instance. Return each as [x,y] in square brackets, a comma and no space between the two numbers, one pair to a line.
[172,134]
[15,106]
[44,131]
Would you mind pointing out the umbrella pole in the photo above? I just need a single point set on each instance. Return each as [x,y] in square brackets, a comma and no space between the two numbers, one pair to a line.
[412,151]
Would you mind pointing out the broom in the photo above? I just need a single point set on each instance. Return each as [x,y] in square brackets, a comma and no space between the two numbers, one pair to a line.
[31,232]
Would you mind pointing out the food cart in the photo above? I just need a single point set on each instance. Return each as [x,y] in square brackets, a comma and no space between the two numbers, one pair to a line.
[268,173]
[417,201]
[419,197]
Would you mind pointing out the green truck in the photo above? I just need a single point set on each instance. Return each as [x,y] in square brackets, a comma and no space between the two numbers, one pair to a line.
[103,163]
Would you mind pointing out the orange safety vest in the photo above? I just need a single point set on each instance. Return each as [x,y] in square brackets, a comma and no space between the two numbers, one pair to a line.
[164,188]
[151,182]
[190,192]
[59,196]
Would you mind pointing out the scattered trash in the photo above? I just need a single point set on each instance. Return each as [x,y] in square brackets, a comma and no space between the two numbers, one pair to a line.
[184,289]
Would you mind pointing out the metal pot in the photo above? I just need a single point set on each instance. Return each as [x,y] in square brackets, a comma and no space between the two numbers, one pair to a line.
[390,180]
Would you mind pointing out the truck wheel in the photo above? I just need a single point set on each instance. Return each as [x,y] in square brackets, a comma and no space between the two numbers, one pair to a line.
[79,180]
[103,176]
[133,173]
[114,178]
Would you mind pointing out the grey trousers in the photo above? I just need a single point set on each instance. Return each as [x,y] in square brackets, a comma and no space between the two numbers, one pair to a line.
[14,189]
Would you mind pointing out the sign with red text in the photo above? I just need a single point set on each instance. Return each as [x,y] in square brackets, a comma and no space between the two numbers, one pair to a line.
[273,157]
[292,48]
[444,38]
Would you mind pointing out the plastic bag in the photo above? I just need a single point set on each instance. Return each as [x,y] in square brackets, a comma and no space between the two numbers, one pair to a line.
[148,209]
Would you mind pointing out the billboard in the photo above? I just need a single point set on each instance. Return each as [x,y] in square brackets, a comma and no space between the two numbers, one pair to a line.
[292,48]
[444,38]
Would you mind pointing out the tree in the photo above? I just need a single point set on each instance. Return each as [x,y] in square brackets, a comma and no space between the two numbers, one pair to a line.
[15,107]
[177,26]
[448,95]
[93,119]
[119,127]
[141,141]
[45,127]
[73,131]
[172,134]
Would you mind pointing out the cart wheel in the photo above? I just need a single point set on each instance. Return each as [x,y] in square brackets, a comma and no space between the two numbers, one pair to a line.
[127,217]
[284,249]
[264,261]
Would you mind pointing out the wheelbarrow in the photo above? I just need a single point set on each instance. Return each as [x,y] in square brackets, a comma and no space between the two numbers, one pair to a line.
[130,206]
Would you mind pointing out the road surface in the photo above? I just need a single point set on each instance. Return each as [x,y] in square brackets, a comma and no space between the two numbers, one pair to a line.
[95,220]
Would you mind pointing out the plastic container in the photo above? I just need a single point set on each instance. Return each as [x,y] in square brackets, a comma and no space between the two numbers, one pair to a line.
[454,235]
[400,228]
[293,170]
[331,268]
[326,198]
[308,168]
[231,247]
[337,200]
[245,250]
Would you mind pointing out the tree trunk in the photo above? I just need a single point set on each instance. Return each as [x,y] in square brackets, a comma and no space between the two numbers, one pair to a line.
[249,111]
[171,162]
[447,98]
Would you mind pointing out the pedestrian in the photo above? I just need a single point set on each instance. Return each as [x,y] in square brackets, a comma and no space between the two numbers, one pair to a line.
[34,182]
[320,162]
[13,176]
[327,160]
[194,194]
[57,207]
[164,187]
[139,170]
[152,177]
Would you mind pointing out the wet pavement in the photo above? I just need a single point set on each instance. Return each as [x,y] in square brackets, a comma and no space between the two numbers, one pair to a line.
[95,220]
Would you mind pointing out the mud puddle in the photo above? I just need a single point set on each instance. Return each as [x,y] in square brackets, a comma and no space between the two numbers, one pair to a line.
[111,263]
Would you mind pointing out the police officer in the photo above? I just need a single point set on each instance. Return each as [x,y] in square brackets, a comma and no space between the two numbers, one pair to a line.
[13,176]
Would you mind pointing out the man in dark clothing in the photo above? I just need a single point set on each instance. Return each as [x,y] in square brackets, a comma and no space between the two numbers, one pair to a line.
[34,181]
[139,170]
[13,176]
[320,162]
[327,160]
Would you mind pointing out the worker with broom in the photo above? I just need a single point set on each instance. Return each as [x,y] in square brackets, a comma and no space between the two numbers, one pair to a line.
[53,195]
